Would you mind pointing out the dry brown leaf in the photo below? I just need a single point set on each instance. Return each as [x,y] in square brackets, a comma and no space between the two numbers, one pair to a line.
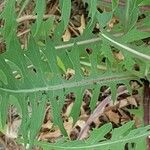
[96,122]
[68,125]
[131,100]
[69,73]
[57,133]
[84,117]
[82,108]
[68,110]
[123,103]
[67,35]
[12,129]
[124,117]
[50,135]
[113,117]
[82,27]
[138,121]
[134,85]
[112,22]
[118,55]
[47,125]
[80,123]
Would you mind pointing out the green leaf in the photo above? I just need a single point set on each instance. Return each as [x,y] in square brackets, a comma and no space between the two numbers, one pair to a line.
[9,18]
[44,29]
[119,44]
[98,134]
[118,133]
[77,105]
[65,12]
[61,64]
[4,109]
[57,114]
[134,35]
[38,105]
[3,77]
[104,18]
[115,4]
[131,14]
[93,9]
[39,9]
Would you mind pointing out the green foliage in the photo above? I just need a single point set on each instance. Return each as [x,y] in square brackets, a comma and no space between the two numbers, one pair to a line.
[33,75]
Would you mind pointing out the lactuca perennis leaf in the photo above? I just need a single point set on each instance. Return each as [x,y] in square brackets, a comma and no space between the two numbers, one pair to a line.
[122,131]
[131,14]
[40,9]
[77,105]
[104,18]
[4,108]
[57,113]
[61,64]
[98,134]
[93,9]
[134,35]
[3,77]
[9,18]
[65,6]
[115,4]
[145,2]
[38,104]
[120,45]
[65,12]
[44,29]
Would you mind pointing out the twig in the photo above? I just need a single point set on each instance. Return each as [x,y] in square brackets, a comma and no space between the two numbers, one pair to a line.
[98,112]
[32,17]
[22,33]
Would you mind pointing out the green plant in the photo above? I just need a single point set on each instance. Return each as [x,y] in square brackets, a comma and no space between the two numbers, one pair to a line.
[33,74]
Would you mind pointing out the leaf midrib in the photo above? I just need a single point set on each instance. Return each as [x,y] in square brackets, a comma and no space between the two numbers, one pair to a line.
[80,83]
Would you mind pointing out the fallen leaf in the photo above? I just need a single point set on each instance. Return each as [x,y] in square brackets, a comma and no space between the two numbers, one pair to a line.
[118,55]
[123,103]
[131,100]
[68,110]
[67,35]
[47,125]
[113,117]
[82,27]
[13,128]
[69,73]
